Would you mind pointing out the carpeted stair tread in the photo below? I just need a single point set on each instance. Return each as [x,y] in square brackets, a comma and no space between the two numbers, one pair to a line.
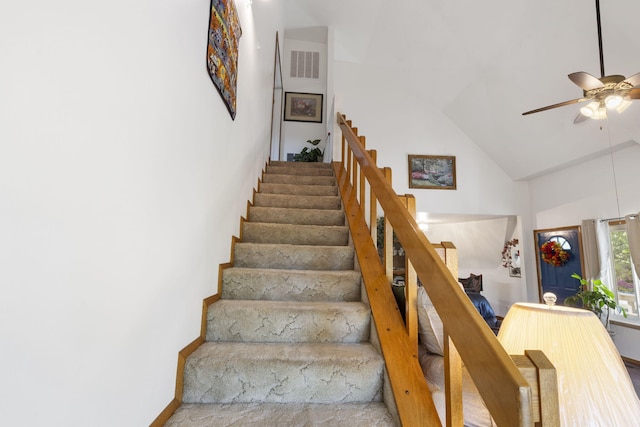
[294,234]
[296,216]
[299,189]
[274,178]
[301,202]
[368,414]
[288,321]
[281,373]
[293,257]
[291,285]
[288,343]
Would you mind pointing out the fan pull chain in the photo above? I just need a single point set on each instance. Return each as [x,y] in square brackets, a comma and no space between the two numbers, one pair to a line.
[613,166]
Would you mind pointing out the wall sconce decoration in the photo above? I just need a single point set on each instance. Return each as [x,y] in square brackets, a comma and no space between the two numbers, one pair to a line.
[511,258]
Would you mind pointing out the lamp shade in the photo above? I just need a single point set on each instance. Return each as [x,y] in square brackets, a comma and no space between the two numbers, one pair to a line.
[594,387]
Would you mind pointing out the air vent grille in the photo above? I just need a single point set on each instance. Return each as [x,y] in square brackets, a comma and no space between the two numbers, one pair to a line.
[305,65]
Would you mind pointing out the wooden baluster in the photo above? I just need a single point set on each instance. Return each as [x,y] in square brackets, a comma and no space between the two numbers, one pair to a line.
[354,170]
[344,141]
[388,236]
[411,285]
[349,153]
[451,258]
[373,205]
[362,199]
[453,362]
[343,154]
[453,383]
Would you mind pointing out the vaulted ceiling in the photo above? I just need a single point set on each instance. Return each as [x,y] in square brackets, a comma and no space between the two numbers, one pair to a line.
[491,61]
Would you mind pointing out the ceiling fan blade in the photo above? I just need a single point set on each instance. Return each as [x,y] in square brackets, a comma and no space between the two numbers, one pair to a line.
[580,118]
[634,94]
[549,107]
[585,80]
[634,80]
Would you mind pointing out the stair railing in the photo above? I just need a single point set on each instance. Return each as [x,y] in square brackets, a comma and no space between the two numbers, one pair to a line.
[509,397]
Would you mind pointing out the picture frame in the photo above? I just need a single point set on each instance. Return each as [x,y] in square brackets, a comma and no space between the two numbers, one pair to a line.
[432,172]
[303,107]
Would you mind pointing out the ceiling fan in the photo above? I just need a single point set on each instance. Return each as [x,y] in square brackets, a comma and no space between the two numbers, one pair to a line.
[607,92]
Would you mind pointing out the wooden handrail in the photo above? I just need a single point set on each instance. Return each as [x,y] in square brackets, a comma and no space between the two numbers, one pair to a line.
[505,391]
[410,391]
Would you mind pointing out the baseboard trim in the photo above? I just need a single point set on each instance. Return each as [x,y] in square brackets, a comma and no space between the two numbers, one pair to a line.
[631,361]
[166,414]
[171,408]
[625,324]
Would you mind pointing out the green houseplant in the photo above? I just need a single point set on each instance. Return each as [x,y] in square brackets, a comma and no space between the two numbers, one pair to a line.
[596,298]
[309,155]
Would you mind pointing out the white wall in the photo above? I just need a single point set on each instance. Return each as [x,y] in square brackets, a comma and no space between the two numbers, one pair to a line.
[586,191]
[296,134]
[113,146]
[479,245]
[398,122]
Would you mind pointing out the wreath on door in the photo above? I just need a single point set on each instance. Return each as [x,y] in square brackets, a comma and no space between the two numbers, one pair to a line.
[552,253]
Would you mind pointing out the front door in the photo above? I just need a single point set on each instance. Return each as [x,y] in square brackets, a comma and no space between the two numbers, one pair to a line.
[559,254]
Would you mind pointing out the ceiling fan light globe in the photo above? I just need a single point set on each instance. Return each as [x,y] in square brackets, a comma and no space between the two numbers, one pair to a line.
[600,114]
[613,101]
[623,106]
[586,111]
[590,109]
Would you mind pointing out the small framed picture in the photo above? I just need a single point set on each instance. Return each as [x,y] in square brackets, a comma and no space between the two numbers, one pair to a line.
[303,107]
[433,172]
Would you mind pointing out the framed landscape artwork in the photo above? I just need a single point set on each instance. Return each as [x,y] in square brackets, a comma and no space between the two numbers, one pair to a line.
[303,107]
[432,172]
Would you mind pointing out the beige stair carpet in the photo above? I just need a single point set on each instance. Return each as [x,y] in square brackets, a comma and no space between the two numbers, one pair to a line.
[288,344]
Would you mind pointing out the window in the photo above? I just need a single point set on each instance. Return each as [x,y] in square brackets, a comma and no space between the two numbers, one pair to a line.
[564,243]
[622,276]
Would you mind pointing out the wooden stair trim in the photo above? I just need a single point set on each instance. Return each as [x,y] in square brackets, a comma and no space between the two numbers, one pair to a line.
[504,390]
[175,403]
[410,390]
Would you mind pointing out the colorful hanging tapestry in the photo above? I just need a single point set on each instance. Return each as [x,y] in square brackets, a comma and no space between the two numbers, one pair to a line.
[222,50]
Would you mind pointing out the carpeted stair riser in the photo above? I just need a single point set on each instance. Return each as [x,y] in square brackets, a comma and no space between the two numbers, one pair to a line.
[288,321]
[278,373]
[291,234]
[298,179]
[288,170]
[291,285]
[302,165]
[298,202]
[295,216]
[374,414]
[299,190]
[293,257]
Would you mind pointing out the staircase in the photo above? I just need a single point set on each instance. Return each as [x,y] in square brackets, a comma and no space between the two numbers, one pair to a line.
[288,344]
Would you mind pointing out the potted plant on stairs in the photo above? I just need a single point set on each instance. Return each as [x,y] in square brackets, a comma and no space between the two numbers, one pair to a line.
[307,155]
